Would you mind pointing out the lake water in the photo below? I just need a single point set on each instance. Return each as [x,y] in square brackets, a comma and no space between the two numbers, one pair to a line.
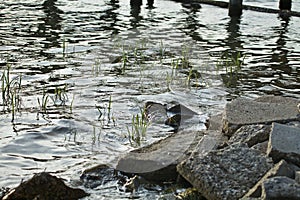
[79,70]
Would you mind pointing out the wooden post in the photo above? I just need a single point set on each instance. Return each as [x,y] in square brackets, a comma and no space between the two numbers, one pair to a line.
[136,3]
[235,8]
[285,4]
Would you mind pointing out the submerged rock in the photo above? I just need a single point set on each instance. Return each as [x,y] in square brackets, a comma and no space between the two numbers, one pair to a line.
[101,175]
[44,186]
[225,174]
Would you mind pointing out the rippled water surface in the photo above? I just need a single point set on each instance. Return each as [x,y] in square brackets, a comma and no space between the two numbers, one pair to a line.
[79,70]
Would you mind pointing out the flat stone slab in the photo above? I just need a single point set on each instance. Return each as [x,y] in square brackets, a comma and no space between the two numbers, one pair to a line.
[284,143]
[158,161]
[227,173]
[266,109]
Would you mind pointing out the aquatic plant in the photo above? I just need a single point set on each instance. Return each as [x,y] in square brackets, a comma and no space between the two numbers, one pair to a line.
[139,127]
[185,57]
[64,47]
[96,68]
[232,64]
[60,96]
[10,89]
[105,112]
[162,50]
[124,61]
[72,102]
[43,103]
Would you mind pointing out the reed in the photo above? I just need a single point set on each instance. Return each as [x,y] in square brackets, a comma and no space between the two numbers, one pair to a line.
[139,126]
[43,103]
[11,89]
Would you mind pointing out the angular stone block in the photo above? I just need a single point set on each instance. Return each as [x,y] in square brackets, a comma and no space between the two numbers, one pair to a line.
[251,134]
[227,173]
[280,187]
[284,143]
[264,110]
[280,169]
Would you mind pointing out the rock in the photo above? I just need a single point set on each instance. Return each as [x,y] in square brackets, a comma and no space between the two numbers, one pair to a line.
[277,99]
[265,110]
[215,122]
[190,194]
[261,147]
[157,112]
[251,134]
[208,142]
[226,173]
[101,175]
[280,169]
[181,117]
[3,191]
[280,187]
[177,116]
[297,177]
[284,143]
[44,186]
[157,162]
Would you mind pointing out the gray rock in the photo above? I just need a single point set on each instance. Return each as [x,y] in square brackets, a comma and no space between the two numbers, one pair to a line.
[284,143]
[251,134]
[280,169]
[227,173]
[44,186]
[215,122]
[280,187]
[297,177]
[267,109]
[277,99]
[157,162]
[261,147]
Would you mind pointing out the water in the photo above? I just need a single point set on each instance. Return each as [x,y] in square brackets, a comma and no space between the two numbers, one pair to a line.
[64,50]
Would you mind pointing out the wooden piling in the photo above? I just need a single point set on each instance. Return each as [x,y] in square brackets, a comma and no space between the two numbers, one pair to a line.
[235,8]
[285,4]
[136,3]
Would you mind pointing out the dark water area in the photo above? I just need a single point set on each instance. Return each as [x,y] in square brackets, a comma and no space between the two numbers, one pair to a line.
[86,67]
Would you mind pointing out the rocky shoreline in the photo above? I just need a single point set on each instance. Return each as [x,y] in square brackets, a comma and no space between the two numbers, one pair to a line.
[250,151]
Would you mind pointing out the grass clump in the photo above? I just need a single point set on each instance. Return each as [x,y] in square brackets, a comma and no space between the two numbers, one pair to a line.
[139,127]
[232,64]
[10,90]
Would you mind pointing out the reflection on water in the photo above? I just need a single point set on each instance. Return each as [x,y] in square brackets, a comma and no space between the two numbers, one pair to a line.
[84,53]
[51,25]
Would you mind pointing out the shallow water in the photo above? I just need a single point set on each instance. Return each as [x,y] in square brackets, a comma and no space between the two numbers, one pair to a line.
[65,50]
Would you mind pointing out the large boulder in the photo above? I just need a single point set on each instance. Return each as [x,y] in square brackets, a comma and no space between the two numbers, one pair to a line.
[284,143]
[264,110]
[226,173]
[44,186]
